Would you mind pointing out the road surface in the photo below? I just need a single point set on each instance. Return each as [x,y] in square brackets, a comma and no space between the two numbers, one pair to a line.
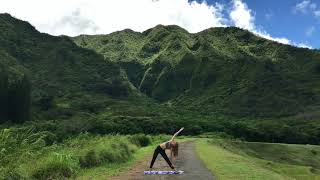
[187,161]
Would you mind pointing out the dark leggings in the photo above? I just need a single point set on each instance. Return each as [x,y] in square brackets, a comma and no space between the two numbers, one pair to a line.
[163,154]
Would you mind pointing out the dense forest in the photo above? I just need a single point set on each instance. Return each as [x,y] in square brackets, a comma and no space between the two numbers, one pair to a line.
[226,70]
[224,80]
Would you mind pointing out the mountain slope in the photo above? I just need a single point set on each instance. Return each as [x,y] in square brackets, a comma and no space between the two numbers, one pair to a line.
[14,90]
[59,72]
[70,89]
[226,70]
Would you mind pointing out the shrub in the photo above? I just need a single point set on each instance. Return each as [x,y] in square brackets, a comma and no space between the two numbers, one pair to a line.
[107,156]
[314,170]
[57,166]
[18,140]
[140,140]
[50,138]
[120,151]
[116,152]
[114,156]
[91,159]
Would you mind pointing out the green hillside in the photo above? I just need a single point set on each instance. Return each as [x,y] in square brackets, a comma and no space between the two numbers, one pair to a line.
[81,107]
[59,73]
[64,89]
[14,90]
[226,70]
[219,80]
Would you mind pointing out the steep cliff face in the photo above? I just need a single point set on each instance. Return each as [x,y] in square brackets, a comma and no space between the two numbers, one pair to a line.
[227,70]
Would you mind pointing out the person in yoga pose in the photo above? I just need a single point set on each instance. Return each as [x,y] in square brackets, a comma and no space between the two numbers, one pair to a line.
[172,145]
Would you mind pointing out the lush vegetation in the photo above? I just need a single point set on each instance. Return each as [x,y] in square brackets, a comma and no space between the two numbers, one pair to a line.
[229,159]
[24,154]
[207,80]
[219,80]
[49,73]
[62,97]
[64,101]
[224,70]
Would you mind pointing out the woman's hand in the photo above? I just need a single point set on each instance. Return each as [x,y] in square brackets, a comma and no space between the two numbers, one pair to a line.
[175,134]
[180,130]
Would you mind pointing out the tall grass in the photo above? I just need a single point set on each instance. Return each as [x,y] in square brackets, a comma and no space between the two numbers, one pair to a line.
[25,155]
[116,151]
[140,140]
[17,145]
[56,166]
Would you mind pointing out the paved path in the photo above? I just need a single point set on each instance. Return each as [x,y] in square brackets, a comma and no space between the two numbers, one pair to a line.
[187,161]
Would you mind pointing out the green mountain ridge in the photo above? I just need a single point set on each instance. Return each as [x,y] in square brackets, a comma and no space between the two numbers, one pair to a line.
[224,80]
[219,70]
[82,107]
[225,70]
[56,69]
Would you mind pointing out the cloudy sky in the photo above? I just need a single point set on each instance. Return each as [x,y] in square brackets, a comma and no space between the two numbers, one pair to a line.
[295,22]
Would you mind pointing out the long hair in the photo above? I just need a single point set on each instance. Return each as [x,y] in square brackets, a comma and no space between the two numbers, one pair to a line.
[175,149]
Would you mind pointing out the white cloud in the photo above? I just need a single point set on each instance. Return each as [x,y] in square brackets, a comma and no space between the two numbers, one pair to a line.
[317,14]
[266,35]
[307,6]
[74,17]
[243,17]
[304,45]
[72,24]
[310,30]
[304,6]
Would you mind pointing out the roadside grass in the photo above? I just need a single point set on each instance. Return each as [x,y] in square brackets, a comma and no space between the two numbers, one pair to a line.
[84,156]
[109,170]
[252,160]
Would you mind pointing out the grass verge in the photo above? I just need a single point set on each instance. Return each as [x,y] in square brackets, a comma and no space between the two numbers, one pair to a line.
[242,160]
[84,156]
[107,171]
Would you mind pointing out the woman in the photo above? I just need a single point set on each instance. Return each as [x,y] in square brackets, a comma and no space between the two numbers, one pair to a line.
[172,145]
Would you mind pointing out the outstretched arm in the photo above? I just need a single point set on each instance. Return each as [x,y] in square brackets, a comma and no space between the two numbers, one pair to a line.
[175,134]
